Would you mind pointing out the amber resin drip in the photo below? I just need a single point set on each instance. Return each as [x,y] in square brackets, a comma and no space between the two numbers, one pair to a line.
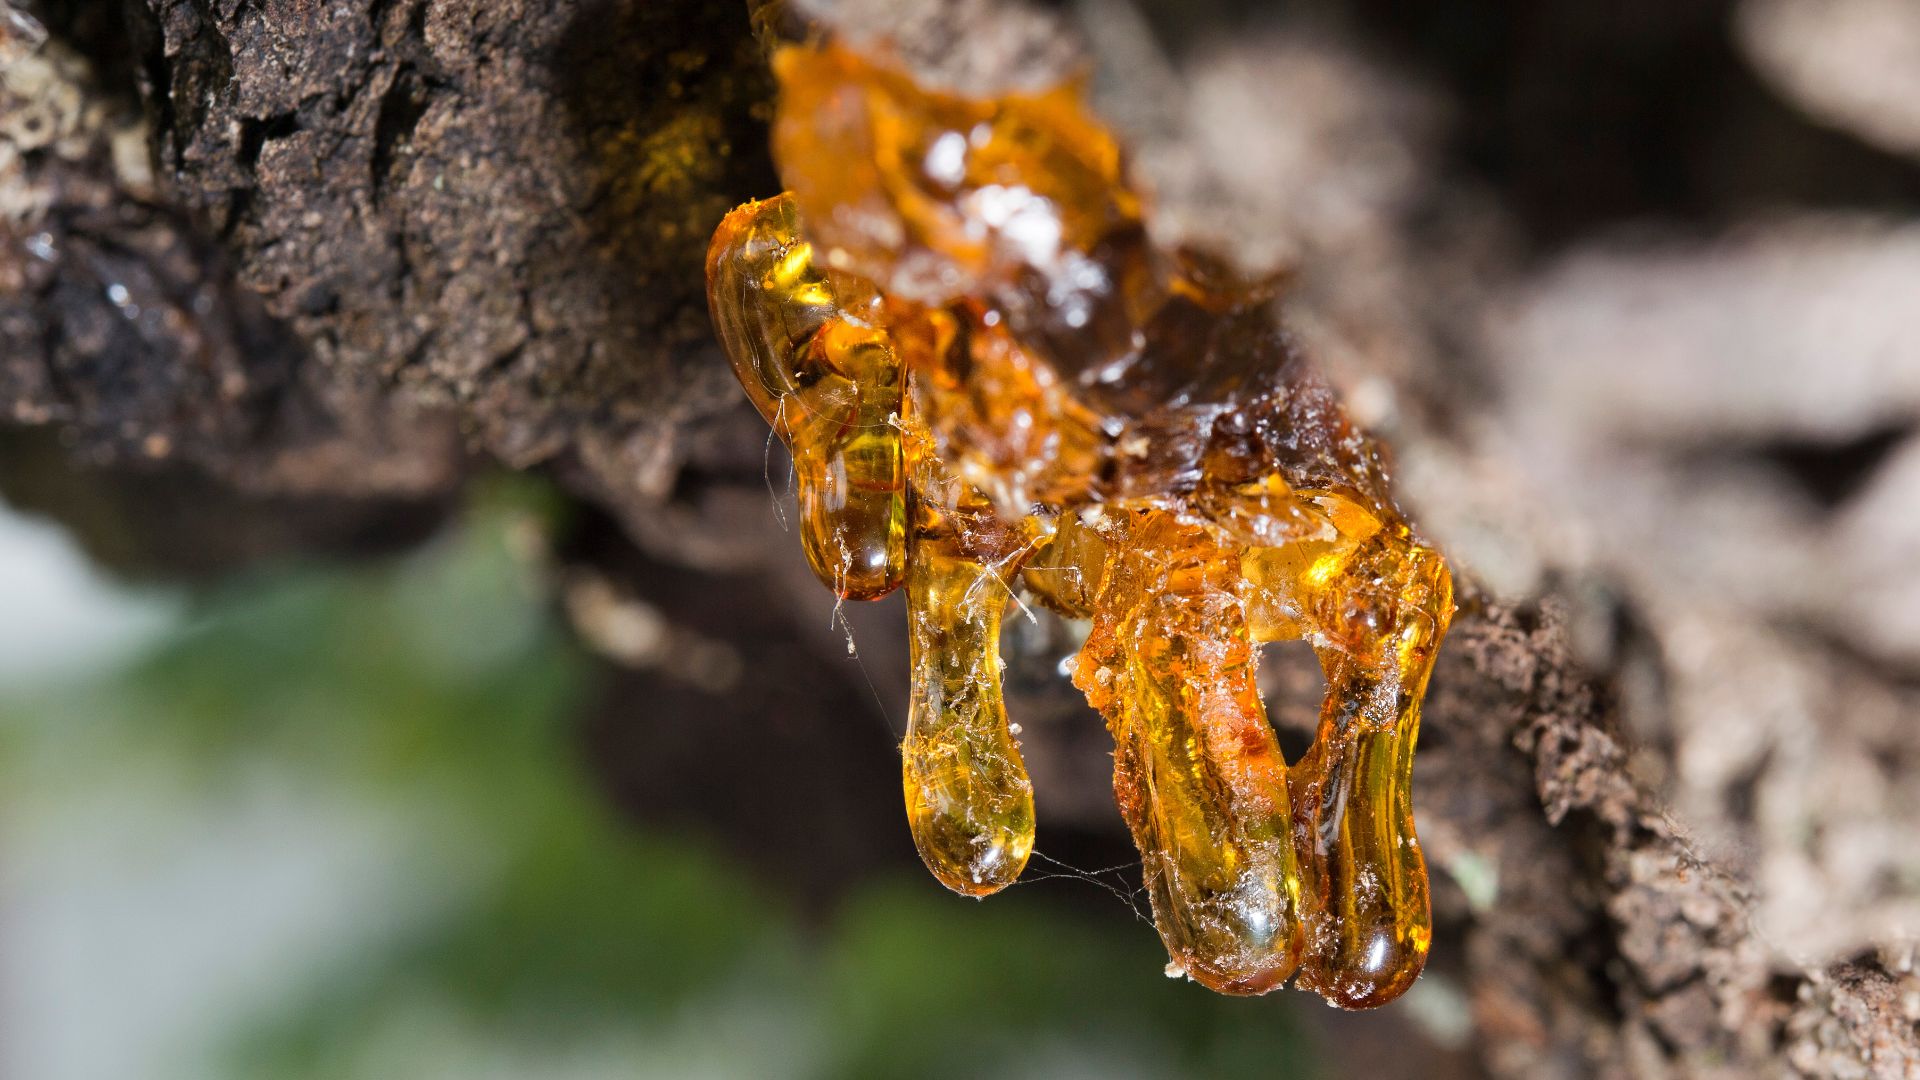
[968,799]
[993,383]
[811,349]
[1196,769]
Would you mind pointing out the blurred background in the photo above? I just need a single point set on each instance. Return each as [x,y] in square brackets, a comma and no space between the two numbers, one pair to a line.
[322,820]
[406,667]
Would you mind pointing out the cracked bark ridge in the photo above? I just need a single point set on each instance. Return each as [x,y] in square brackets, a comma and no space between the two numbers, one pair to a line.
[496,207]
[122,324]
[1609,946]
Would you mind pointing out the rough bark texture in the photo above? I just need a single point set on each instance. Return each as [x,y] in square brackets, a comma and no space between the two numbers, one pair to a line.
[303,264]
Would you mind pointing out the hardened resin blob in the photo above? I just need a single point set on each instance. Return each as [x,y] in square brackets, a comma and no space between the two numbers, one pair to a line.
[1376,605]
[1004,384]
[810,349]
[1196,769]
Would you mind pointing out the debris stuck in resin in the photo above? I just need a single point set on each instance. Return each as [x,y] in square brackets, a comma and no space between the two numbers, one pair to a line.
[992,380]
